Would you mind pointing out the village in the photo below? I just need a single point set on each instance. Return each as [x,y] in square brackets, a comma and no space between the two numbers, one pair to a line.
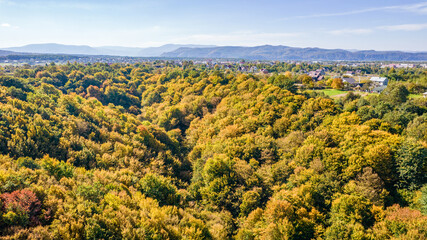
[351,80]
[333,78]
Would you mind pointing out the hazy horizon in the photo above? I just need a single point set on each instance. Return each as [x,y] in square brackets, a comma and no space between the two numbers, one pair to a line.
[158,46]
[331,24]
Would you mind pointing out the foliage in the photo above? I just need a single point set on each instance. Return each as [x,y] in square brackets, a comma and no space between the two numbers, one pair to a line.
[167,150]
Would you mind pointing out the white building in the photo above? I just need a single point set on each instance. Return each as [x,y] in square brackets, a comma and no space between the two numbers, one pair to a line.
[381,81]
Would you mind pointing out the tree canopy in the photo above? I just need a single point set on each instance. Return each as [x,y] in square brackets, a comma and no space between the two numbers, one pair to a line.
[158,150]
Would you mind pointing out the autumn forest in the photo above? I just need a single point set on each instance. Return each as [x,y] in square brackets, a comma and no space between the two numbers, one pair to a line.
[160,150]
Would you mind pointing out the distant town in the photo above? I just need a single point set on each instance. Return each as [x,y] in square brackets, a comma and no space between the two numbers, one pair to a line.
[365,77]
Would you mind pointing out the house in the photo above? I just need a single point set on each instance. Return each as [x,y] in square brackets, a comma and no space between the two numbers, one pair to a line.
[253,69]
[380,81]
[389,66]
[321,70]
[379,89]
[264,71]
[316,75]
[358,86]
[350,81]
[313,74]
[425,94]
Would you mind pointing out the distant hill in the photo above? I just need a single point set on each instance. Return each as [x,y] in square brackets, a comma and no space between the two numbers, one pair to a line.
[158,51]
[6,53]
[268,52]
[53,48]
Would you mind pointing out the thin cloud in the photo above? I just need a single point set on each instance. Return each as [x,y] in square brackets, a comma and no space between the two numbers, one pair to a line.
[359,31]
[420,8]
[78,5]
[405,27]
[416,8]
[7,25]
[83,5]
[7,2]
[239,38]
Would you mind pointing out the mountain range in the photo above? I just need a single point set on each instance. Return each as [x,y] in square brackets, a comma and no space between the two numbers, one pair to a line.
[7,53]
[268,52]
[265,52]
[53,48]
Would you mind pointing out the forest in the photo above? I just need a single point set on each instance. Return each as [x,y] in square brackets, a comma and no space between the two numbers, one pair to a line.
[159,150]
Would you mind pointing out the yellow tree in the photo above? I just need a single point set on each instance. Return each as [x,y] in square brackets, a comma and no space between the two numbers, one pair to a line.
[337,83]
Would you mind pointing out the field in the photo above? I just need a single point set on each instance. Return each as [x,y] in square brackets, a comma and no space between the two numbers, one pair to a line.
[335,93]
[415,95]
[332,92]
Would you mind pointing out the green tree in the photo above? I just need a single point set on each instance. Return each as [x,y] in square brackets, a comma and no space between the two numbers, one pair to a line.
[411,164]
[159,188]
[350,217]
[395,94]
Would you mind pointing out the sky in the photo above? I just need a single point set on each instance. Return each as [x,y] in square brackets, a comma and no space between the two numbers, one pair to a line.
[349,24]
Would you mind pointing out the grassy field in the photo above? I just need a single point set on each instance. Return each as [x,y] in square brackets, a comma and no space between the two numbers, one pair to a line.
[415,95]
[339,93]
[332,92]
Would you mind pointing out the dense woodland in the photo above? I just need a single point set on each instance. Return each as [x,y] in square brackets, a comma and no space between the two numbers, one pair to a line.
[139,151]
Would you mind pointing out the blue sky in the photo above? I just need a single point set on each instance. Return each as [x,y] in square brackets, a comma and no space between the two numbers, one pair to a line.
[350,24]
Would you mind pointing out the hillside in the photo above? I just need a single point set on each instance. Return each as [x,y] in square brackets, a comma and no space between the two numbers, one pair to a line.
[6,53]
[52,48]
[268,52]
[157,150]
